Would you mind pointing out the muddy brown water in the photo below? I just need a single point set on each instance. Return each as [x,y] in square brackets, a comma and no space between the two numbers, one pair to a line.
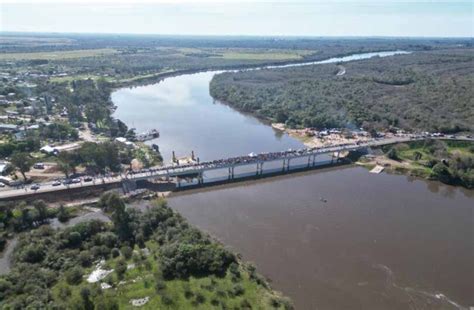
[347,239]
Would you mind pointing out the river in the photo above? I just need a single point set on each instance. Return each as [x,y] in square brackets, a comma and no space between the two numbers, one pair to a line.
[189,119]
[331,239]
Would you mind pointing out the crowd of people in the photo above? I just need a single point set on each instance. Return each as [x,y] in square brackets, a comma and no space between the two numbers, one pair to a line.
[247,159]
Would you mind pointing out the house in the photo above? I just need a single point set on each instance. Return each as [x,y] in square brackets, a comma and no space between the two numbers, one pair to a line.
[124,141]
[9,181]
[8,128]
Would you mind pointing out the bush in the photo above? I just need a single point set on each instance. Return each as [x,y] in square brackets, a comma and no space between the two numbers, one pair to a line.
[74,275]
[238,290]
[85,258]
[185,259]
[120,268]
[200,298]
[115,252]
[126,252]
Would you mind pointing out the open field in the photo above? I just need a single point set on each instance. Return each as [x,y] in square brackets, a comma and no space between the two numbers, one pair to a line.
[58,54]
[264,55]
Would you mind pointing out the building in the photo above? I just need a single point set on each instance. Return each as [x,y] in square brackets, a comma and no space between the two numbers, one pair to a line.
[8,128]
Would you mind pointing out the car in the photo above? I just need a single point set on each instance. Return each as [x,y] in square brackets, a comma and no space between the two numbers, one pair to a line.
[38,166]
[56,183]
[76,180]
[88,179]
[2,185]
[35,187]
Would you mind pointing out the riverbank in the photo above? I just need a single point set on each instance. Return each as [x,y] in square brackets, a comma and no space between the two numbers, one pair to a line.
[447,161]
[152,258]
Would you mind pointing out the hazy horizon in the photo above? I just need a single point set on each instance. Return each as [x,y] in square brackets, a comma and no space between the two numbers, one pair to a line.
[361,18]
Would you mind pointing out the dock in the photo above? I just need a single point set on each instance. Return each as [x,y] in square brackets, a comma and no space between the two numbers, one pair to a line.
[377,169]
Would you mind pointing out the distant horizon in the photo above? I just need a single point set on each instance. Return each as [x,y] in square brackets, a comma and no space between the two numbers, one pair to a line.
[274,18]
[57,33]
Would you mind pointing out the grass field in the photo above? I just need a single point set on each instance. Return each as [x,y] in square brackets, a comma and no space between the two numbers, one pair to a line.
[263,55]
[58,54]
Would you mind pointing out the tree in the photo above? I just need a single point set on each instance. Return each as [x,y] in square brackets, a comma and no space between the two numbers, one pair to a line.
[63,214]
[120,268]
[22,162]
[67,163]
[111,202]
[42,210]
[74,275]
[441,172]
[85,294]
[393,154]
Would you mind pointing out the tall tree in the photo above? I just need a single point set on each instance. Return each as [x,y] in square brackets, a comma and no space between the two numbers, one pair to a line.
[22,162]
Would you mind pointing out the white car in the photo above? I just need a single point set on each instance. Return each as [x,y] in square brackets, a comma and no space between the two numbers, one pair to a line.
[2,185]
[56,183]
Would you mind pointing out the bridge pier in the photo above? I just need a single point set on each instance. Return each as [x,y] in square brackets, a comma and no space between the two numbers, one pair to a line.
[284,164]
[128,186]
[200,178]
[288,164]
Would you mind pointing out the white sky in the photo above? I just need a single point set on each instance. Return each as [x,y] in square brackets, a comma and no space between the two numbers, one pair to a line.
[243,17]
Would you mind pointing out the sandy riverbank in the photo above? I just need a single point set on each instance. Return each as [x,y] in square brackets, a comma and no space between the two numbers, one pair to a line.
[309,139]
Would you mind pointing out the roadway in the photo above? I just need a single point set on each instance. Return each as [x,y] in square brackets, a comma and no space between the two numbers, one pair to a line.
[197,168]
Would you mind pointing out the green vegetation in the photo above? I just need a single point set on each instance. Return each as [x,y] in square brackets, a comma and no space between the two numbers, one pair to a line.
[451,162]
[429,91]
[57,54]
[18,217]
[152,254]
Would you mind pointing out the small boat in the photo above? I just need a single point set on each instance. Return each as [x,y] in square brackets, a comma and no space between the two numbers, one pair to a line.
[149,135]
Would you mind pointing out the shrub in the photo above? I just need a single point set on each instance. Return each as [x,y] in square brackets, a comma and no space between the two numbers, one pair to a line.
[74,275]
[126,252]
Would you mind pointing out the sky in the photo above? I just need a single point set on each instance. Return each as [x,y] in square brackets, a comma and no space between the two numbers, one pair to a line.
[417,18]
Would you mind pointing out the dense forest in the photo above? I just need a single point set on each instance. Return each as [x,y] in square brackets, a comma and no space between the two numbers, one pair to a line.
[152,256]
[430,91]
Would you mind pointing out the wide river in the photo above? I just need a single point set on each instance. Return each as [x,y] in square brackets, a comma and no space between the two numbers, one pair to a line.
[330,239]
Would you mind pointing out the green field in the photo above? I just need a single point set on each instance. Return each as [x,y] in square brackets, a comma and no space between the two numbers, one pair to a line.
[261,56]
[58,54]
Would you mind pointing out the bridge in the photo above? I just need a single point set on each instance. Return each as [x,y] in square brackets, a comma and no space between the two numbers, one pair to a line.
[197,169]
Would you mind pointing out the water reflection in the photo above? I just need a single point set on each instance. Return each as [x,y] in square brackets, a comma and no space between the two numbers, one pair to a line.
[190,120]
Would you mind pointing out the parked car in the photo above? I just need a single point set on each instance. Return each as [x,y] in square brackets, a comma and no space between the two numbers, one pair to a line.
[35,187]
[38,166]
[2,185]
[76,180]
[56,183]
[88,179]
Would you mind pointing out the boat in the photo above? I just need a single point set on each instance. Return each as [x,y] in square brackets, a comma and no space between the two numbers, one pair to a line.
[149,135]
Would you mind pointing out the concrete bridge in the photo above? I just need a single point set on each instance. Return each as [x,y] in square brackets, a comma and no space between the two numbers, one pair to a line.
[197,170]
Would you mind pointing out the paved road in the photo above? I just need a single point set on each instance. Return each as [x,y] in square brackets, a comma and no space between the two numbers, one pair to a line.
[174,170]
